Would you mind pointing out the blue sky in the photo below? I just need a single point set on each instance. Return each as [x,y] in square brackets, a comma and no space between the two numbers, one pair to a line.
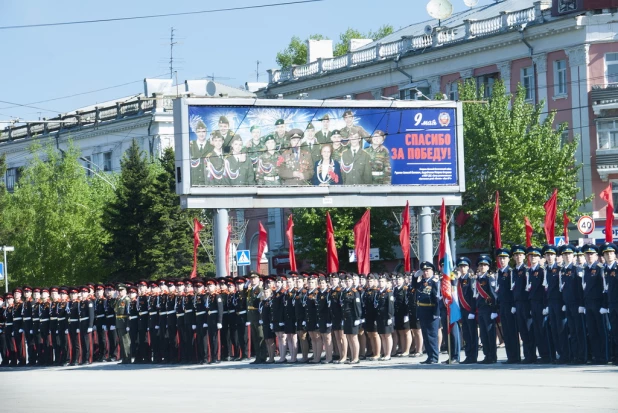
[45,63]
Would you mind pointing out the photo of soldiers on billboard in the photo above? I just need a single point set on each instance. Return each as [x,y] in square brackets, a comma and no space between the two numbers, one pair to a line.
[297,146]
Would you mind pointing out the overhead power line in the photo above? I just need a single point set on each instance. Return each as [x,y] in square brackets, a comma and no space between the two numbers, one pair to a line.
[155,16]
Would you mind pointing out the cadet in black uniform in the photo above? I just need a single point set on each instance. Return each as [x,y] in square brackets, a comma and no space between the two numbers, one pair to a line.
[324,318]
[402,317]
[428,311]
[278,316]
[573,300]
[4,352]
[384,302]
[289,318]
[72,312]
[35,346]
[225,342]
[110,322]
[161,326]
[485,294]
[133,322]
[522,304]
[352,312]
[46,350]
[143,345]
[172,320]
[370,314]
[257,345]
[63,328]
[594,301]
[100,323]
[53,324]
[86,324]
[242,324]
[18,326]
[467,303]
[556,315]
[9,358]
[199,303]
[266,322]
[506,303]
[340,341]
[538,303]
[153,322]
[183,334]
[310,303]
[214,304]
[611,290]
[301,322]
[29,341]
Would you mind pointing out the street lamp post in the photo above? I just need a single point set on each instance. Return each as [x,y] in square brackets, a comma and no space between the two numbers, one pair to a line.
[6,249]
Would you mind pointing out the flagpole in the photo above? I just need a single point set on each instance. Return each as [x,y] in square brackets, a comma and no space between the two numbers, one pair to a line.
[448,333]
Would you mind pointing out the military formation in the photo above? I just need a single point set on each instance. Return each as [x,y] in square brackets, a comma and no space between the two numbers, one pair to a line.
[549,305]
[350,156]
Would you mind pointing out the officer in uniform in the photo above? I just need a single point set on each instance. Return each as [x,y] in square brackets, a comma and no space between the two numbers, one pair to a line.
[521,310]
[133,322]
[86,324]
[297,166]
[190,325]
[53,324]
[154,306]
[143,346]
[454,327]
[121,313]
[214,168]
[428,311]
[18,326]
[506,302]
[256,339]
[594,301]
[281,135]
[198,150]
[311,305]
[350,128]
[324,135]
[336,310]
[36,346]
[384,302]
[255,146]
[300,313]
[324,318]
[269,161]
[538,303]
[242,323]
[162,322]
[63,327]
[238,167]
[352,310]
[485,294]
[573,300]
[110,321]
[611,290]
[100,324]
[310,144]
[214,306]
[28,325]
[225,132]
[46,351]
[73,313]
[338,147]
[355,162]
[465,293]
[402,316]
[380,159]
[556,315]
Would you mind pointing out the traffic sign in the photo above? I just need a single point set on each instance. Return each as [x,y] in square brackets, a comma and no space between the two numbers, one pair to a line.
[1,271]
[585,225]
[243,257]
[559,241]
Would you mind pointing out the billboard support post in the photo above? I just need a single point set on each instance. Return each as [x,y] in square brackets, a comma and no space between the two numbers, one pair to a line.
[221,223]
[426,234]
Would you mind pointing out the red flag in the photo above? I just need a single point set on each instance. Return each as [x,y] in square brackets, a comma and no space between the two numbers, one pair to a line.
[551,207]
[607,196]
[262,241]
[404,237]
[332,261]
[197,227]
[361,243]
[445,279]
[528,233]
[497,236]
[462,218]
[290,234]
[565,225]
[227,250]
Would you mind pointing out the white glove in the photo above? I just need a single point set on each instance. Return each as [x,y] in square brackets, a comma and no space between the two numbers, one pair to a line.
[435,317]
[12,334]
[193,327]
[389,322]
[148,329]
[104,328]
[317,325]
[219,326]
[31,332]
[329,325]
[406,318]
[362,320]
[0,331]
[248,323]
[21,330]
[494,316]
[564,308]
[356,322]
[471,316]
[112,328]
[528,287]
[271,326]
[77,330]
[156,327]
[56,331]
[581,310]
[66,331]
[90,329]
[513,310]
[281,324]
[205,325]
[128,329]
[304,323]
[604,311]
[545,311]
[261,322]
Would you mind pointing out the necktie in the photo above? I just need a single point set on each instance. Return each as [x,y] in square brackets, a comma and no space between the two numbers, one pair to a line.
[353,153]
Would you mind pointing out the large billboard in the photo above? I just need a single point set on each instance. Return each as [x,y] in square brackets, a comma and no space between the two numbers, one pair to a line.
[318,153]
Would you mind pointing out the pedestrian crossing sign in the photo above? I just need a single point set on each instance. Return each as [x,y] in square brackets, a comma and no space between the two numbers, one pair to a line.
[559,241]
[243,257]
[1,271]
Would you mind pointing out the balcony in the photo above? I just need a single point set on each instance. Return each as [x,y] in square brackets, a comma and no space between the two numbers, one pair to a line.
[604,97]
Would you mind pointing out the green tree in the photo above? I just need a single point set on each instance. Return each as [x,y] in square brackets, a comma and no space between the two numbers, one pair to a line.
[310,227]
[3,196]
[343,46]
[508,148]
[171,248]
[53,219]
[296,52]
[127,218]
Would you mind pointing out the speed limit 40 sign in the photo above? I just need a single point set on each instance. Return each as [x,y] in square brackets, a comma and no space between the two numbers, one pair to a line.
[585,225]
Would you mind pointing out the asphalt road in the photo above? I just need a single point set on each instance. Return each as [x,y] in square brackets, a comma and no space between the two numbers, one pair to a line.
[368,387]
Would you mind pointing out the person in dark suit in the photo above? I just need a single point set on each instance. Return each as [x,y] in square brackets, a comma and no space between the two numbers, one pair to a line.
[355,162]
[327,170]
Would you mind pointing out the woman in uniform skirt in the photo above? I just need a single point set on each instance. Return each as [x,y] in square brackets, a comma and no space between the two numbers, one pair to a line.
[336,313]
[278,316]
[384,302]
[402,317]
[371,314]
[324,319]
[310,302]
[301,331]
[352,311]
[415,325]
[267,323]
[289,305]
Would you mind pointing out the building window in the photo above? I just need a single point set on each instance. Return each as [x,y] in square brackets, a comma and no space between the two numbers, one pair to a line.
[615,195]
[607,134]
[452,91]
[87,165]
[611,68]
[11,178]
[564,138]
[107,161]
[527,81]
[416,93]
[560,78]
[486,83]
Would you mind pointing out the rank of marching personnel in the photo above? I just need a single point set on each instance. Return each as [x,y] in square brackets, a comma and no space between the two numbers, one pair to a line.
[550,313]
